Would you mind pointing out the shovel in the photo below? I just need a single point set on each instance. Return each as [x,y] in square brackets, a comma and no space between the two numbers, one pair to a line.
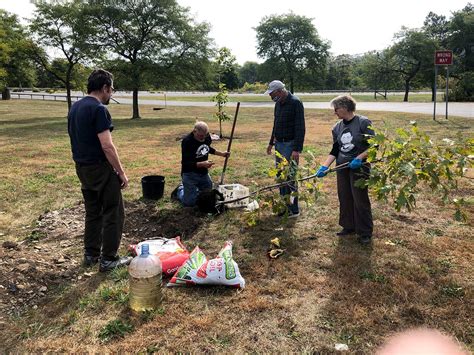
[230,143]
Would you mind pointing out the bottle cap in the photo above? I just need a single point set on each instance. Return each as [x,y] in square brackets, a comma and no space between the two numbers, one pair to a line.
[145,249]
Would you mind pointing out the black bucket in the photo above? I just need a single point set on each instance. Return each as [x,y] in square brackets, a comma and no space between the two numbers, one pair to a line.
[153,187]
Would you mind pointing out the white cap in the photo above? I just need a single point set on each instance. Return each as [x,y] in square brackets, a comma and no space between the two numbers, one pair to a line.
[274,85]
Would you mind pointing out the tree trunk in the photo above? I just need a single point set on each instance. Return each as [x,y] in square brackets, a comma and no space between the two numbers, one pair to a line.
[68,96]
[407,90]
[68,87]
[137,83]
[136,113]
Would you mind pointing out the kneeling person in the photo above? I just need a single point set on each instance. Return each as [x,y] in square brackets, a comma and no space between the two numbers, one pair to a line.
[195,149]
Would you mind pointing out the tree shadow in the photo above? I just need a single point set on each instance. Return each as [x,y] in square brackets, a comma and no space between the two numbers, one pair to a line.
[38,127]
[349,276]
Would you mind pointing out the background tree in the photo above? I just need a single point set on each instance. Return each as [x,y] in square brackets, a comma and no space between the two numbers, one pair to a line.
[226,72]
[412,52]
[436,27]
[248,73]
[270,69]
[64,28]
[292,40]
[144,32]
[378,69]
[227,69]
[461,41]
[16,68]
[340,71]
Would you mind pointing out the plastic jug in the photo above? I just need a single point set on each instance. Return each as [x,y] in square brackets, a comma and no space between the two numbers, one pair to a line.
[145,281]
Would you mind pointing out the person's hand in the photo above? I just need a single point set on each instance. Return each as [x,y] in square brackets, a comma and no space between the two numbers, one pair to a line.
[123,180]
[226,154]
[295,156]
[355,163]
[322,171]
[269,149]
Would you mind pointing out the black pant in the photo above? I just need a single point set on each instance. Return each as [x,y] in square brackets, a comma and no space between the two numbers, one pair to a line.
[104,209]
[354,205]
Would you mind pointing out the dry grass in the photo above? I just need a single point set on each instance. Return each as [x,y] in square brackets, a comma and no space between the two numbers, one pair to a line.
[322,291]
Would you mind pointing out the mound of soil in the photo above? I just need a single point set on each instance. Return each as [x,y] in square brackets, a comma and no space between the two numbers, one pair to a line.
[50,257]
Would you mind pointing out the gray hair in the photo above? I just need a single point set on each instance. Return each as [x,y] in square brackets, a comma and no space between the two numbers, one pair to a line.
[344,101]
[201,126]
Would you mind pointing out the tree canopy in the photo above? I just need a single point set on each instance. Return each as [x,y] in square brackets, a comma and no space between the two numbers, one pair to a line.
[148,34]
[15,64]
[293,40]
[61,26]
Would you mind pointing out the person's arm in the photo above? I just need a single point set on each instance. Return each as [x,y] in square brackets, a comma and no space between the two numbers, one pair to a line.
[329,160]
[187,156]
[324,167]
[363,155]
[300,129]
[221,154]
[111,154]
[271,143]
[205,164]
[366,128]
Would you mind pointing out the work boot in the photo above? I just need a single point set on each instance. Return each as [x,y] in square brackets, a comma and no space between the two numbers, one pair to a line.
[108,265]
[90,260]
[345,231]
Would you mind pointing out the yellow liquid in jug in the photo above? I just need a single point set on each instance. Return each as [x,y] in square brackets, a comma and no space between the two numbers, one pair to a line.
[145,293]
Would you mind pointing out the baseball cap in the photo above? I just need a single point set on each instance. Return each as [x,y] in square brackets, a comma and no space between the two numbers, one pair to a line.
[274,85]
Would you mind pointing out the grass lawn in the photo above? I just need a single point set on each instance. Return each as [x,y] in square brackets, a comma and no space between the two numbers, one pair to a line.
[321,291]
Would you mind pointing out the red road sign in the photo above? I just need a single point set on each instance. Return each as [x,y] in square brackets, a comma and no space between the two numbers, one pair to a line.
[443,57]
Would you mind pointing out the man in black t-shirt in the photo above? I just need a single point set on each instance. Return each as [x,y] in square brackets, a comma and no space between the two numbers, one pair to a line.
[100,172]
[195,149]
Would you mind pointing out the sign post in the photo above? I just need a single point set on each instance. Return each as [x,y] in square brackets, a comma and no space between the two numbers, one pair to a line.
[442,58]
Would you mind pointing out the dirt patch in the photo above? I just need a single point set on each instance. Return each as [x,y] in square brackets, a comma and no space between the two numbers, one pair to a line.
[50,257]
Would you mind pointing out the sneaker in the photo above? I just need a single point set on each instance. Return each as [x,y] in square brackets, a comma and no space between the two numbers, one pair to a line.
[365,239]
[108,265]
[90,260]
[345,231]
[293,214]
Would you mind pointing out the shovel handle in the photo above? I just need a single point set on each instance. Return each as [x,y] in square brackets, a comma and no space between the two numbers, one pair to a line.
[230,143]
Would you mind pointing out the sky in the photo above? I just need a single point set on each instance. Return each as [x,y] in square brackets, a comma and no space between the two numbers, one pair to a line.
[352,27]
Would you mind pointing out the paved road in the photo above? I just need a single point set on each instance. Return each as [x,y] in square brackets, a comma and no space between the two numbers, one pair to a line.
[462,109]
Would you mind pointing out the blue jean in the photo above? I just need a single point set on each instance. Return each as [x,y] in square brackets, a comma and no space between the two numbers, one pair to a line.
[192,184]
[285,149]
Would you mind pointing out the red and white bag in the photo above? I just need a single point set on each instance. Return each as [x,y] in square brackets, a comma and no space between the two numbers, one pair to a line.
[197,270]
[172,252]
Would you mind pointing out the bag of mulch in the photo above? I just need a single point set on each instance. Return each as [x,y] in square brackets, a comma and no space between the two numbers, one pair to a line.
[197,270]
[172,252]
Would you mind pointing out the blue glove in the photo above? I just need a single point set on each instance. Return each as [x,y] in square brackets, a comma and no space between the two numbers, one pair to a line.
[355,164]
[322,171]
